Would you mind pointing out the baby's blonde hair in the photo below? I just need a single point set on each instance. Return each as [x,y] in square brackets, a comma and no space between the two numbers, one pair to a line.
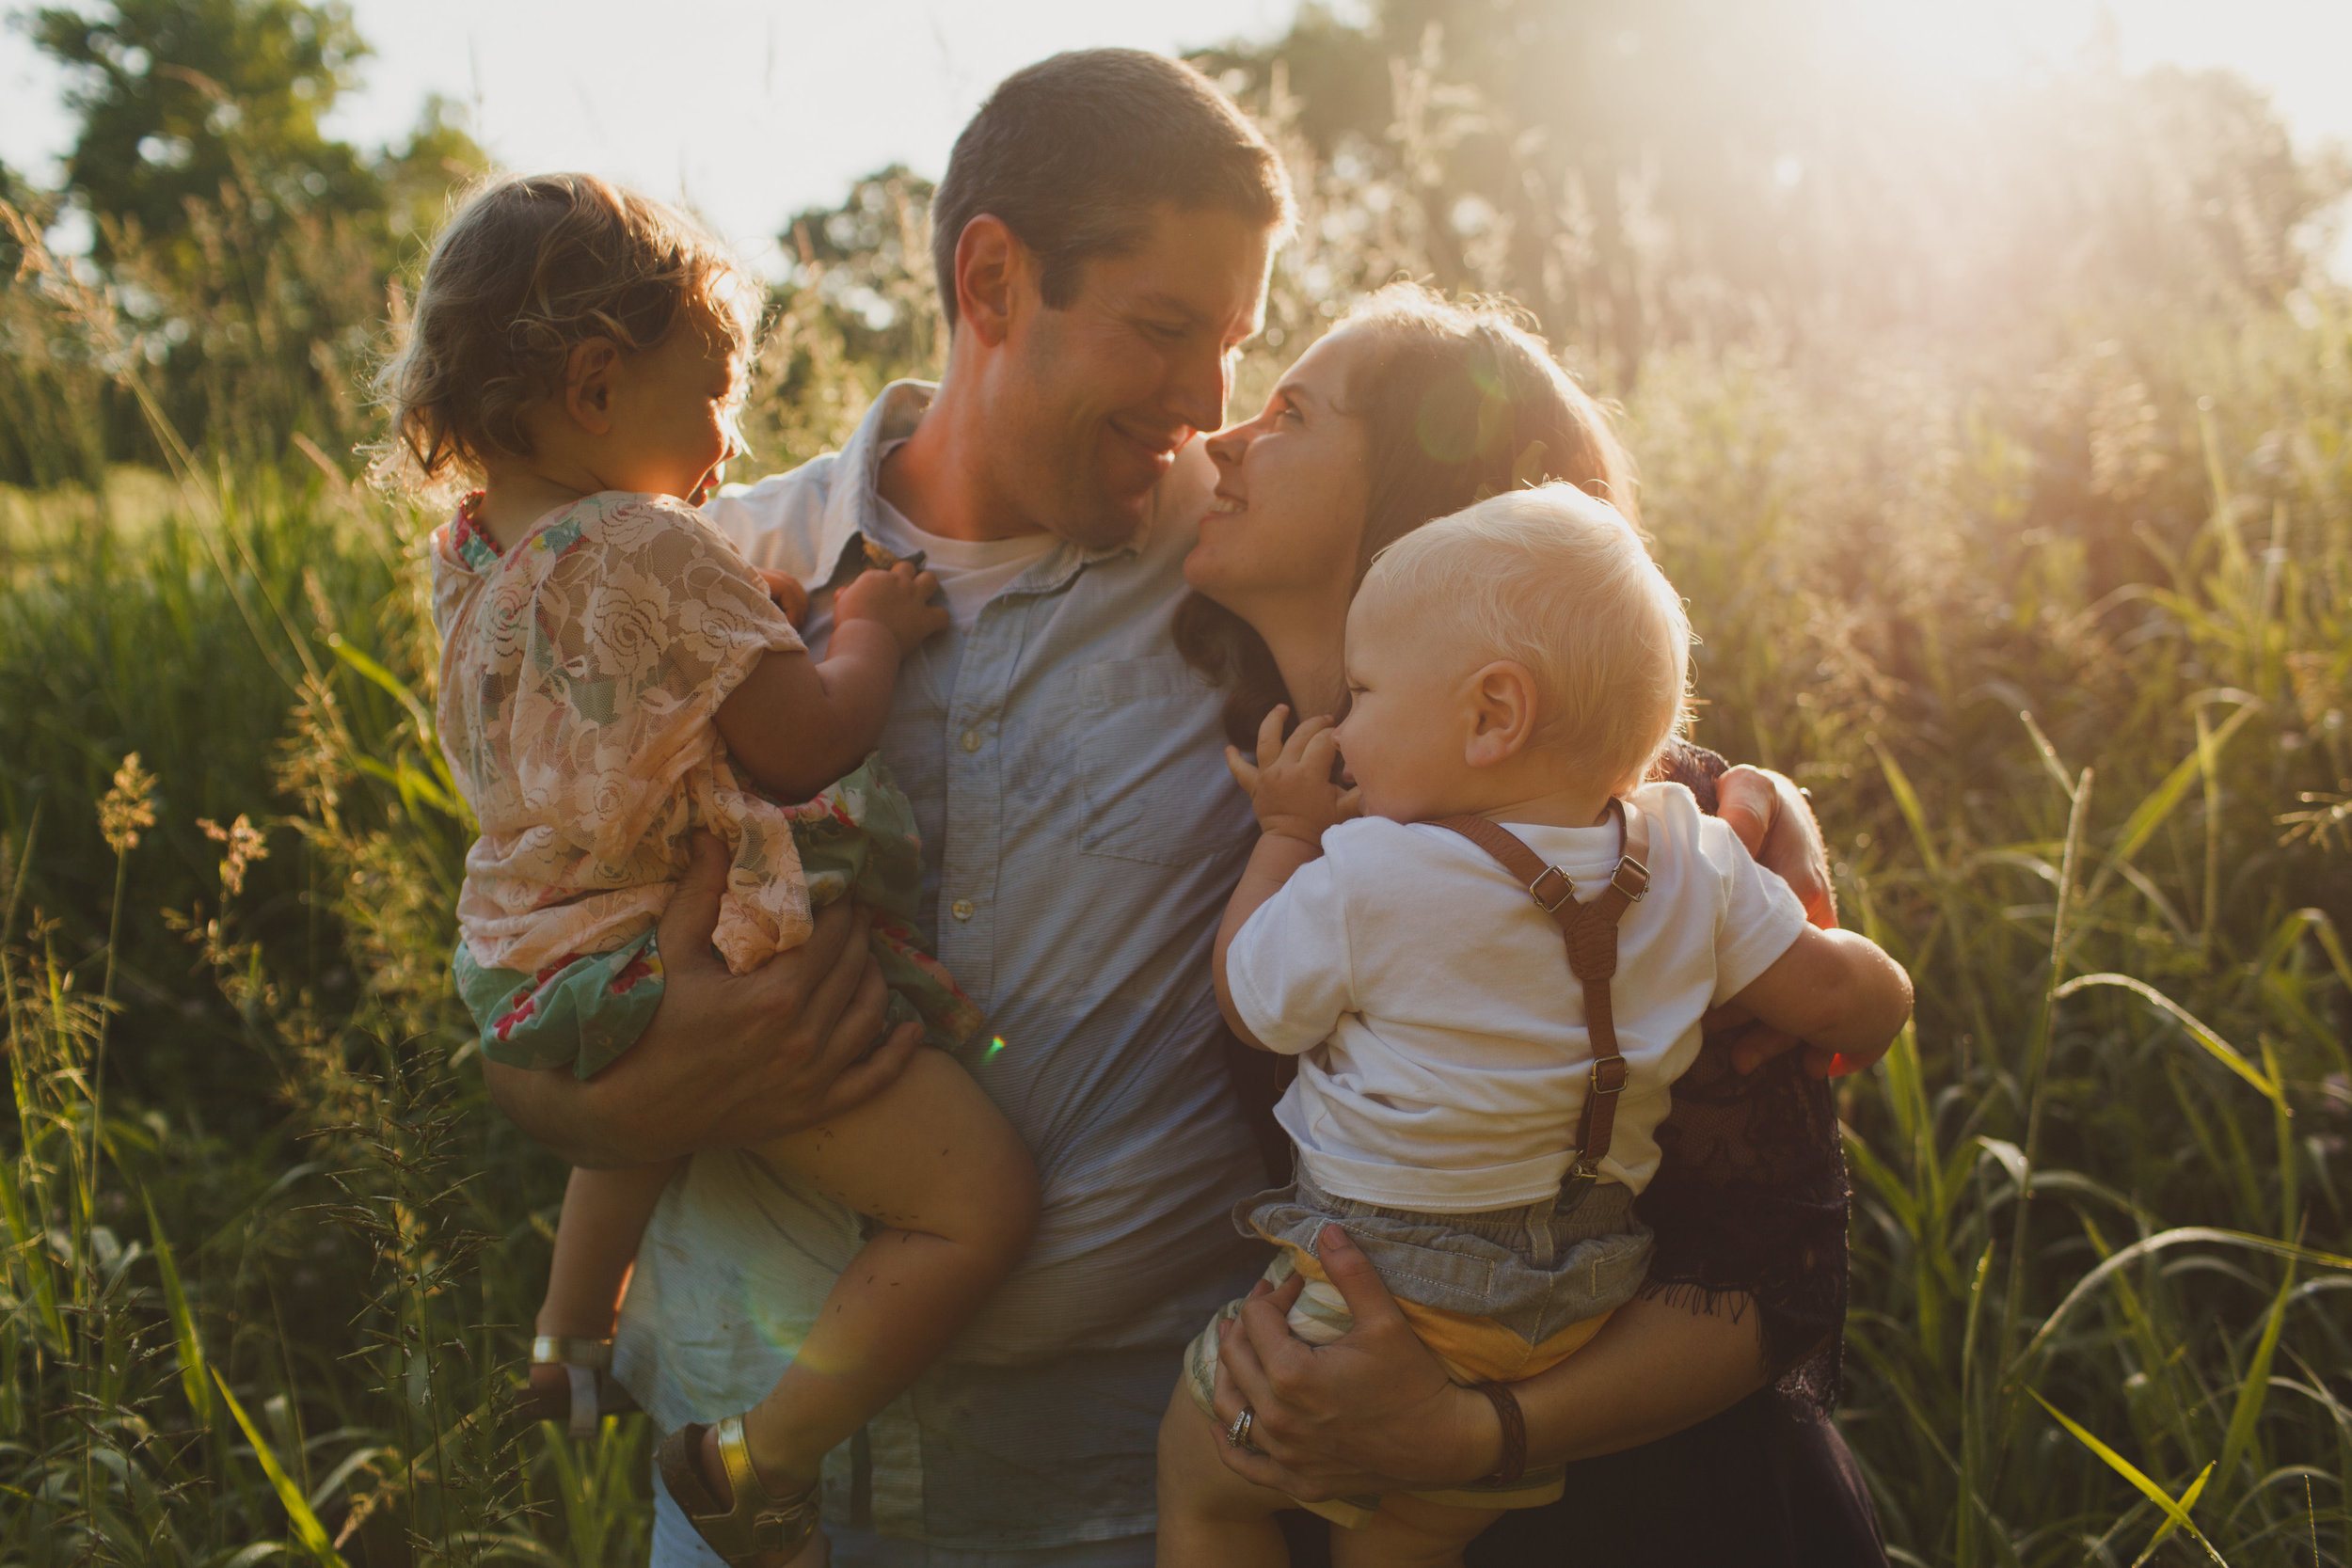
[528,268]
[1558,580]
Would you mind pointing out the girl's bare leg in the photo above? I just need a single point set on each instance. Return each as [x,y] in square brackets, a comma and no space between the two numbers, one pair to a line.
[1209,1517]
[933,1159]
[604,1217]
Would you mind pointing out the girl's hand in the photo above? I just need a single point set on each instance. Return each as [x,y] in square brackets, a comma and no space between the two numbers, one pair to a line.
[1293,794]
[901,599]
[789,596]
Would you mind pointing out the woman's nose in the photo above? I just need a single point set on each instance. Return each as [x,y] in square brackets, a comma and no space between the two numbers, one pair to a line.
[1227,446]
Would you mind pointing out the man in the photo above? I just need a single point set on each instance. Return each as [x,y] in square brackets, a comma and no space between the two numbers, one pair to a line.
[1102,241]
[1103,234]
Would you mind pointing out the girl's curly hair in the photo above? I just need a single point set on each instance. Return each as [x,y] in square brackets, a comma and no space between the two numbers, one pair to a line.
[530,267]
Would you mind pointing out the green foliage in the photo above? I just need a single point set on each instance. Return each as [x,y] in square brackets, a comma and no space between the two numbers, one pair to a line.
[179,100]
[242,259]
[1648,173]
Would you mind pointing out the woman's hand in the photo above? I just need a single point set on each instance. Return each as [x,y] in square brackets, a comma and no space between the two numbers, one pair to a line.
[729,1060]
[1293,794]
[1769,813]
[1374,1412]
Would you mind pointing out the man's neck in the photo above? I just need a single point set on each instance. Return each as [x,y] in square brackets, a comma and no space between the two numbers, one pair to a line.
[938,477]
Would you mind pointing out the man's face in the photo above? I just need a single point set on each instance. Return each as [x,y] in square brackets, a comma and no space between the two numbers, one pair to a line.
[1089,403]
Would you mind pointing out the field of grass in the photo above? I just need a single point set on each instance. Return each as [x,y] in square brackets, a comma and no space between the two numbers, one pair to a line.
[2065,656]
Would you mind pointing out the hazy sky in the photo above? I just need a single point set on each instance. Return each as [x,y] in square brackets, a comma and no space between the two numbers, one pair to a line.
[750,110]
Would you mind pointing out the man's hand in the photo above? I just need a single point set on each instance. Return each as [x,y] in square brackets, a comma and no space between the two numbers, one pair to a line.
[729,1060]
[1372,1412]
[1290,783]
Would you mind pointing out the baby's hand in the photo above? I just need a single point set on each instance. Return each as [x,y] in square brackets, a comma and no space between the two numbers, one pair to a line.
[900,598]
[1292,793]
[789,596]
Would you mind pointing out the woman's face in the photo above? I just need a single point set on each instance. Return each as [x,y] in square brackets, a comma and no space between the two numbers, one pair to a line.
[1281,538]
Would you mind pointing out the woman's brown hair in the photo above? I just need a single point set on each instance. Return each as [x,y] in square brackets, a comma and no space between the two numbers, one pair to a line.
[1458,401]
[530,267]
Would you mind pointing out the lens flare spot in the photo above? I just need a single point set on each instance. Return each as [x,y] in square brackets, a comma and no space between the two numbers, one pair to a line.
[994,1046]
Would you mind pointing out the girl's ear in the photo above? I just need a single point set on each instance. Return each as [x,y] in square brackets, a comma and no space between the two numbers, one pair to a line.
[1502,699]
[588,377]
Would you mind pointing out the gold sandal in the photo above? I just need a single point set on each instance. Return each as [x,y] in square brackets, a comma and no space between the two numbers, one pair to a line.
[758,1521]
[592,1393]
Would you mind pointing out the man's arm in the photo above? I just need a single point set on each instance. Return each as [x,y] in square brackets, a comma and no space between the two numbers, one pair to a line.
[1376,1412]
[729,1059]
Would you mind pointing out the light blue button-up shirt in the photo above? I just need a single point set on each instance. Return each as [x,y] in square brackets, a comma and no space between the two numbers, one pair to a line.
[1080,836]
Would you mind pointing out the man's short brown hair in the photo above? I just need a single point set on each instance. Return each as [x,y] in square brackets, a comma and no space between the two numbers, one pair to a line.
[1074,153]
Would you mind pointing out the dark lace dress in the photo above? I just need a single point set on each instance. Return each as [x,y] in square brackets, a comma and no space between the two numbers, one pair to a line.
[1749,1205]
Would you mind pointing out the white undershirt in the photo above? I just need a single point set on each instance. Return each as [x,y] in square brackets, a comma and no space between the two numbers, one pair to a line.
[970,571]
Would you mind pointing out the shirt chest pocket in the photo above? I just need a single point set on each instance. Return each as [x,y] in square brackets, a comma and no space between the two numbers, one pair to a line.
[1151,764]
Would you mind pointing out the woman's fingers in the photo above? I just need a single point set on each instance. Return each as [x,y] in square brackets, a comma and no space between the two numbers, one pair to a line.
[1358,1282]
[1766,813]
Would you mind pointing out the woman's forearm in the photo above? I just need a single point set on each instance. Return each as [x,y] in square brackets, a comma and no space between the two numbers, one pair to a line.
[1653,1370]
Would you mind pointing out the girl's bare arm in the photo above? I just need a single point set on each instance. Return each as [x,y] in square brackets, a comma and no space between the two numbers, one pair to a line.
[795,725]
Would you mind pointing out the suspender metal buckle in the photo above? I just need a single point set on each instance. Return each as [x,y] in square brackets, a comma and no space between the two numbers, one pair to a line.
[1535,890]
[1632,877]
[1608,1076]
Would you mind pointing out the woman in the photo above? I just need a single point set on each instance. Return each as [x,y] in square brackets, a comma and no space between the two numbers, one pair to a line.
[1700,1418]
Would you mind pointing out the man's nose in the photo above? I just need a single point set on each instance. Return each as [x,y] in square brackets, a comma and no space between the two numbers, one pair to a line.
[1196,394]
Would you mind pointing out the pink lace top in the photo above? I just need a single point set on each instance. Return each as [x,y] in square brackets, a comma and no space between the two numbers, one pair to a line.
[579,673]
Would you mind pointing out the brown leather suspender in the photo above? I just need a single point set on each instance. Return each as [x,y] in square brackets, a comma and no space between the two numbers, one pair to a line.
[1590,933]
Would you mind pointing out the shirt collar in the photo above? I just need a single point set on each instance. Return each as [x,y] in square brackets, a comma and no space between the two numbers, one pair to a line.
[854,505]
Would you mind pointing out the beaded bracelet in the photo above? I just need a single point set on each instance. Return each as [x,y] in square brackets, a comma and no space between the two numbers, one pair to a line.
[1513,1462]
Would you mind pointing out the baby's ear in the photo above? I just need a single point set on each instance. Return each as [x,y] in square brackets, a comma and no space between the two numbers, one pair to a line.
[1501,701]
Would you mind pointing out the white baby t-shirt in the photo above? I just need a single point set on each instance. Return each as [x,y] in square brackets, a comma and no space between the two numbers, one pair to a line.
[1443,1056]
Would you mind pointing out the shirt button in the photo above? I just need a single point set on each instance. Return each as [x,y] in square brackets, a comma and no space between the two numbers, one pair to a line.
[962,909]
[971,740]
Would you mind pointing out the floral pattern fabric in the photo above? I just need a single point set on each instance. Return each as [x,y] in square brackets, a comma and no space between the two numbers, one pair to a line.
[580,672]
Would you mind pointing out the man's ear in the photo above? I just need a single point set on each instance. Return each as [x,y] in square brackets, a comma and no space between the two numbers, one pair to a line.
[992,268]
[1502,699]
[588,376]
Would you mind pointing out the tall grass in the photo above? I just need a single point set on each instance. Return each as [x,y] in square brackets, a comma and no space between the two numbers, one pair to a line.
[2065,654]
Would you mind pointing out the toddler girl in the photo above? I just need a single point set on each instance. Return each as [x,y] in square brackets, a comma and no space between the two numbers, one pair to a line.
[615,677]
[1491,980]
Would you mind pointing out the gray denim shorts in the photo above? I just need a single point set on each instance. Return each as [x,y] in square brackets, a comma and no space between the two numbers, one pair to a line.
[1534,1269]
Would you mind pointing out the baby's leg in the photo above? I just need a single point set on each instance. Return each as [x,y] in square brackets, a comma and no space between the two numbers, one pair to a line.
[1410,1533]
[604,1217]
[934,1160]
[1209,1517]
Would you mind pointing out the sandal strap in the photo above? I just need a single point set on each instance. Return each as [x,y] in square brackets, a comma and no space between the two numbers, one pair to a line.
[554,1350]
[756,1521]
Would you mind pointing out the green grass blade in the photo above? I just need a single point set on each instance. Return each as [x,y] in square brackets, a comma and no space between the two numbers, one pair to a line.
[2130,1472]
[307,1530]
[2220,1049]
